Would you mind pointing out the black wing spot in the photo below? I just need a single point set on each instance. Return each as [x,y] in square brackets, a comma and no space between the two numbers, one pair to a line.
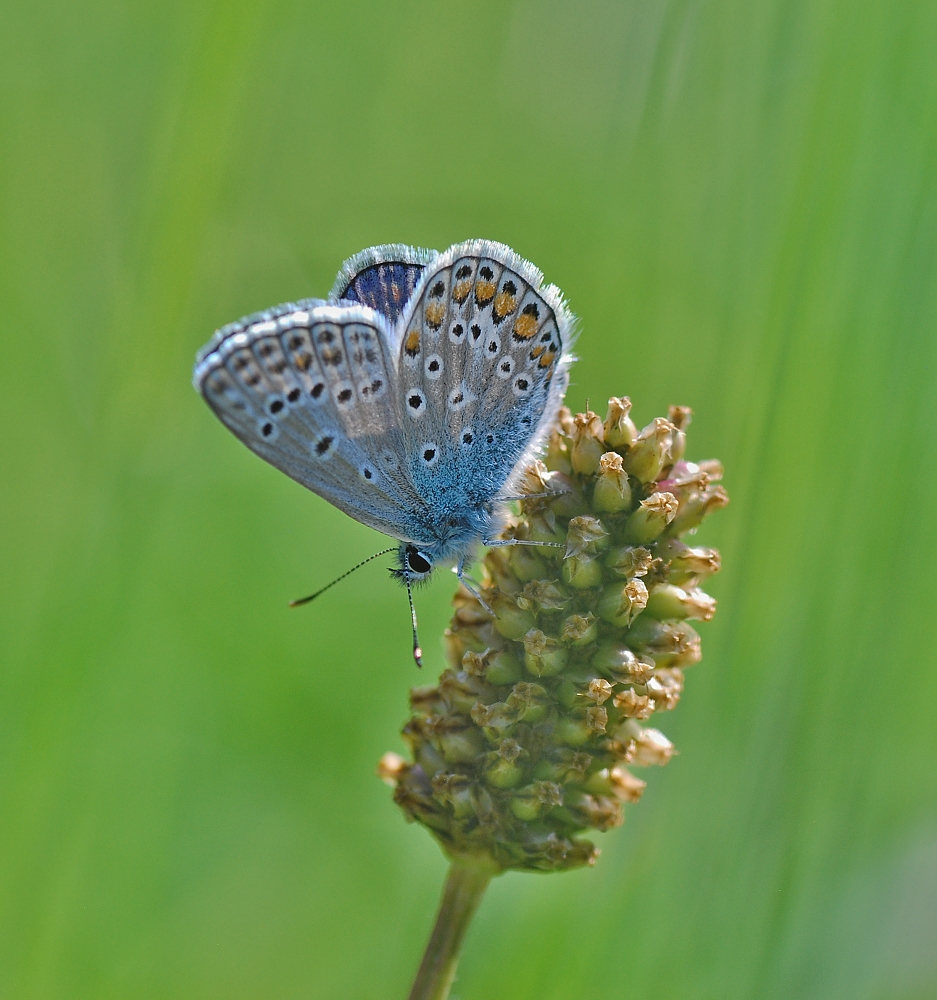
[510,288]
[293,395]
[344,395]
[490,439]
[414,401]
[476,331]
[467,438]
[531,310]
[323,446]
[317,390]
[266,430]
[429,454]
[437,290]
[433,365]
[276,406]
[463,272]
[487,273]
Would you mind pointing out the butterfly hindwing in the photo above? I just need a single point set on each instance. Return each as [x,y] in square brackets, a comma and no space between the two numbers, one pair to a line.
[482,365]
[311,388]
[382,277]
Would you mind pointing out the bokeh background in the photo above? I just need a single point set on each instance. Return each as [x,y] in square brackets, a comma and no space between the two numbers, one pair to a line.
[739,198]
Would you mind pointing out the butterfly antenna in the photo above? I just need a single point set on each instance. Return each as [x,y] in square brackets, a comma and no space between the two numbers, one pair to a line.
[338,579]
[417,652]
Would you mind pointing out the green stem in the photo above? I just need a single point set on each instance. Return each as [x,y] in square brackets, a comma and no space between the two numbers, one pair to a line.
[465,886]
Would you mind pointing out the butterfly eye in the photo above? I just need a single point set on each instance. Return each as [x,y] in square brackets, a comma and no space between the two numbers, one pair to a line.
[417,561]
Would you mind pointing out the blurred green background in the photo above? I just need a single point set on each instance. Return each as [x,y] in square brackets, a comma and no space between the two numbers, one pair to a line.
[740,201]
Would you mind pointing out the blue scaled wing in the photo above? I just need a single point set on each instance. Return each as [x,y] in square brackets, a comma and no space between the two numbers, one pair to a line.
[311,388]
[483,364]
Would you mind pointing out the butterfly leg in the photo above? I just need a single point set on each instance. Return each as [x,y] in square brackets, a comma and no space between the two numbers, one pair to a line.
[494,543]
[467,582]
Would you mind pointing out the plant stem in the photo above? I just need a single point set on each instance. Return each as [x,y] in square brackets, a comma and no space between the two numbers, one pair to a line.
[465,886]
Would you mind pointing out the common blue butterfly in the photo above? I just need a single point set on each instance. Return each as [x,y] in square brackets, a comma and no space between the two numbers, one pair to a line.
[412,398]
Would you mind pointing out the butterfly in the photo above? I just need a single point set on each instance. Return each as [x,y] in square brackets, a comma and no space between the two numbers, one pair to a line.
[412,398]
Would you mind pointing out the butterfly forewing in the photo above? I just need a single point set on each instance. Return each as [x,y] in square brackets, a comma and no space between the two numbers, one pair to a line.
[311,389]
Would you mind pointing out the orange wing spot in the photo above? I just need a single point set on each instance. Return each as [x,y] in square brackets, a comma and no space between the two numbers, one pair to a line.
[484,292]
[525,326]
[303,361]
[504,304]
[460,291]
[537,351]
[412,344]
[547,359]
[435,313]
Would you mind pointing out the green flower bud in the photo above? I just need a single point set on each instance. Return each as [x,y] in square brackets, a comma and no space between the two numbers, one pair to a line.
[582,572]
[665,687]
[510,621]
[615,781]
[621,604]
[455,791]
[580,630]
[671,643]
[557,456]
[456,739]
[680,417]
[539,595]
[688,564]
[625,785]
[619,430]
[651,747]
[530,701]
[612,490]
[633,705]
[618,662]
[600,812]
[531,802]
[502,769]
[665,600]
[511,770]
[578,729]
[585,535]
[588,446]
[496,666]
[698,505]
[629,561]
[494,720]
[651,518]
[652,452]
[544,656]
